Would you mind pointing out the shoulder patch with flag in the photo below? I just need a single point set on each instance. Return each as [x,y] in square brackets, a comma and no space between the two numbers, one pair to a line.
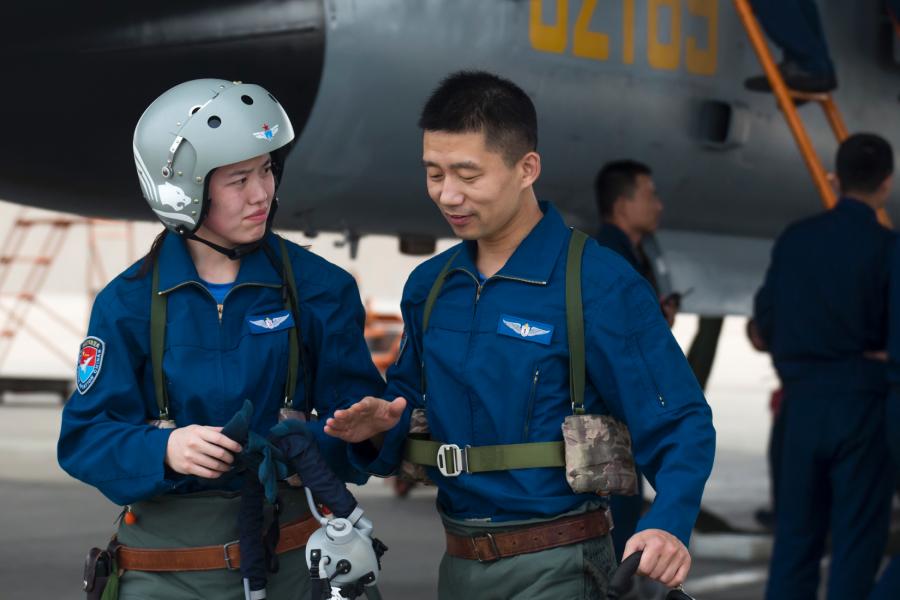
[272,322]
[90,359]
[525,329]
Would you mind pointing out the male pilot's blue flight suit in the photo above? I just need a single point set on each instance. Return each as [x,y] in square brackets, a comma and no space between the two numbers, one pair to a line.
[626,510]
[822,307]
[211,366]
[888,587]
[488,385]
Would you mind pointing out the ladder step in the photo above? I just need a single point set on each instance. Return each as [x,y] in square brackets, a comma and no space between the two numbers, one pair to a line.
[37,260]
[820,97]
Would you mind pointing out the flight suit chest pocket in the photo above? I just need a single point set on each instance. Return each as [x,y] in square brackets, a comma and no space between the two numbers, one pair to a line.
[450,319]
[269,322]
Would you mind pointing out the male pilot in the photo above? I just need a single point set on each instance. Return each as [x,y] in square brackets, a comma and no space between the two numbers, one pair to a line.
[495,361]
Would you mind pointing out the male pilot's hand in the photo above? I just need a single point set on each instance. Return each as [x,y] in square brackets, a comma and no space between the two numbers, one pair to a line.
[365,419]
[665,558]
[200,450]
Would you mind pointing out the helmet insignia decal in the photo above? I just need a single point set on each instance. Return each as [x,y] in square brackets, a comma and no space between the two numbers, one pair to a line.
[144,177]
[267,132]
[172,196]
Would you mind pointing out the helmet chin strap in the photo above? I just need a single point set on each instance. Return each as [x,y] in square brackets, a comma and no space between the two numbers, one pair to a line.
[240,250]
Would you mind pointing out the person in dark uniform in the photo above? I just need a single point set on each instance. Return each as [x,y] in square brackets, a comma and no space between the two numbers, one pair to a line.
[630,210]
[822,313]
[795,26]
[888,586]
[766,516]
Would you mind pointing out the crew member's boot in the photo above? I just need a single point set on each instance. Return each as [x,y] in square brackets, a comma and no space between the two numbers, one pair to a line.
[797,78]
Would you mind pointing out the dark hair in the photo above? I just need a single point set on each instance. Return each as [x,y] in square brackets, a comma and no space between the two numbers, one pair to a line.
[151,256]
[617,179]
[864,161]
[472,101]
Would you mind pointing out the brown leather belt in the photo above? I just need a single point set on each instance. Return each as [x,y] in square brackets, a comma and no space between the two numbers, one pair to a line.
[489,547]
[207,558]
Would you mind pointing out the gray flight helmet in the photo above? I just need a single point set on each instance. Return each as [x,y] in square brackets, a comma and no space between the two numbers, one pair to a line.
[194,128]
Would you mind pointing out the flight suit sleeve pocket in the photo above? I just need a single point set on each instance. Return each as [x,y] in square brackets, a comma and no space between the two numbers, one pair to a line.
[666,373]
[651,365]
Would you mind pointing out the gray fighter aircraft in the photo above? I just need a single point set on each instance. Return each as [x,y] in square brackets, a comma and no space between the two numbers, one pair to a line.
[656,80]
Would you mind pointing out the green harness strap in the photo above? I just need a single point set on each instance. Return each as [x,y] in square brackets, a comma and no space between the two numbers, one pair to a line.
[429,304]
[294,353]
[450,459]
[158,310]
[575,320]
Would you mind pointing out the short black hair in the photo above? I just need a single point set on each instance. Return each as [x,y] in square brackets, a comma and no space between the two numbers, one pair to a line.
[864,161]
[616,179]
[472,101]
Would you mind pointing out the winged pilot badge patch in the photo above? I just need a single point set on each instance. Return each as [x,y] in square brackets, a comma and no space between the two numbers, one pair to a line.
[525,329]
[274,322]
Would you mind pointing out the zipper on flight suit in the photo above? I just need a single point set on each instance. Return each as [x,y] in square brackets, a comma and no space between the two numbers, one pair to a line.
[659,396]
[531,399]
[479,287]
[220,309]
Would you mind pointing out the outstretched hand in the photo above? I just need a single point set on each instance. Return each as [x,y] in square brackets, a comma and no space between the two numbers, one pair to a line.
[365,419]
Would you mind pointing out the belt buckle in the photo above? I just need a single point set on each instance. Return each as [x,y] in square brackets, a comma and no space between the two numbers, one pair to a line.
[493,542]
[228,564]
[451,460]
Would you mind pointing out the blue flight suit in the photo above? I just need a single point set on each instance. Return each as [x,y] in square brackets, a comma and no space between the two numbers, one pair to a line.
[210,367]
[821,307]
[626,510]
[488,384]
[888,586]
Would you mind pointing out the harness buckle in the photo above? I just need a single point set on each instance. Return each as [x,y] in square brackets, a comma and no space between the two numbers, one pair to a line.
[228,564]
[451,460]
[494,547]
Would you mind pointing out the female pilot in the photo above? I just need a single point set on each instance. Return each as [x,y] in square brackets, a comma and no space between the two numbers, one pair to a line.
[220,310]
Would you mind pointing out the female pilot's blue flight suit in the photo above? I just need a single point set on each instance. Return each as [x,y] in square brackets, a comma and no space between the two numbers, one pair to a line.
[211,365]
[492,381]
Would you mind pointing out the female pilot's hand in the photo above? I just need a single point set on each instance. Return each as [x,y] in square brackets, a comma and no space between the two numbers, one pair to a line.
[200,450]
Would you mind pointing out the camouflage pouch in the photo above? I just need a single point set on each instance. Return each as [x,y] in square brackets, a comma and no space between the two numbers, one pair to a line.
[418,428]
[598,455]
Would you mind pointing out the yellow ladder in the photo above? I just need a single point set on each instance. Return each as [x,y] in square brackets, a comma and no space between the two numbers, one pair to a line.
[786,97]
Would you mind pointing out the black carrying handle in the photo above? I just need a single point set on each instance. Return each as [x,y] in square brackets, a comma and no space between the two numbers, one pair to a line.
[622,579]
